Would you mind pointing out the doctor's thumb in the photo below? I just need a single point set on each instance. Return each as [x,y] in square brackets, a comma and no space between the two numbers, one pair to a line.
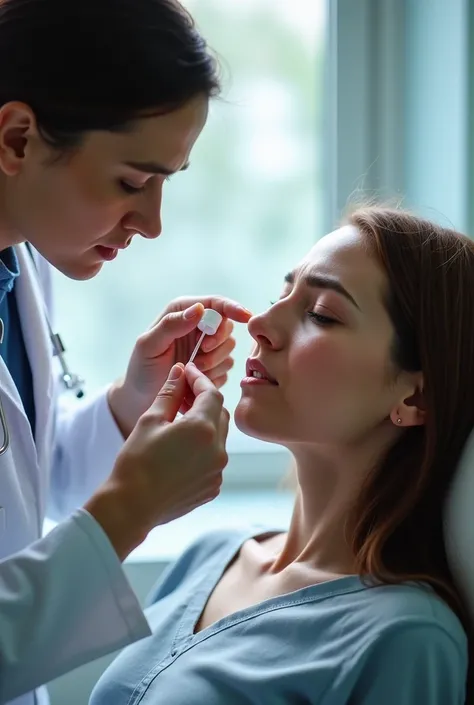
[171,396]
[172,326]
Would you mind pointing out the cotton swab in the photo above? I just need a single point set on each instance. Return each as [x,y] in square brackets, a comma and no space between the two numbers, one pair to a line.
[208,325]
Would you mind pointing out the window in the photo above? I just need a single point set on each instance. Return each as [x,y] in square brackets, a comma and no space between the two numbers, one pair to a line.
[248,208]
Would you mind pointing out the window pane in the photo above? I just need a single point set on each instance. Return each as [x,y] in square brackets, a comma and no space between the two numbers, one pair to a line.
[245,212]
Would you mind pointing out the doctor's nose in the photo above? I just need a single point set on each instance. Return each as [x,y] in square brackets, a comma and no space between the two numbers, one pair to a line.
[145,220]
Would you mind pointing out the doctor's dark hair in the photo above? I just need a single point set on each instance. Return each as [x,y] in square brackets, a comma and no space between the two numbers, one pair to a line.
[85,65]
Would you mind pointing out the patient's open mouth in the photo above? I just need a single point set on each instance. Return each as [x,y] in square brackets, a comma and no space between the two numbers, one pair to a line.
[257,373]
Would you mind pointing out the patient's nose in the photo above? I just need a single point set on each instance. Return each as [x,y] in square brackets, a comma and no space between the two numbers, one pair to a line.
[264,332]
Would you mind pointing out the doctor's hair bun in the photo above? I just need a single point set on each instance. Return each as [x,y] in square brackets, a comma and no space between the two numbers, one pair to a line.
[86,65]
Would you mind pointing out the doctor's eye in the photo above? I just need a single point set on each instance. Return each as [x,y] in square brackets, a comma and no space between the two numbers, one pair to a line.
[128,188]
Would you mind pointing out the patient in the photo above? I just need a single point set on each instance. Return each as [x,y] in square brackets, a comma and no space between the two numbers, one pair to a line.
[364,370]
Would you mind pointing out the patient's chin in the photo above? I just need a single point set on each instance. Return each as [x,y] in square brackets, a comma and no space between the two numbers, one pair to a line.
[246,428]
[253,424]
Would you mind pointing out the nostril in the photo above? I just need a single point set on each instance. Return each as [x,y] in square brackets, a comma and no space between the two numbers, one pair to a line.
[263,340]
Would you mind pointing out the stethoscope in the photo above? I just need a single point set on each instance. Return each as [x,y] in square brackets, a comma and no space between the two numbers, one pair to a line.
[70,381]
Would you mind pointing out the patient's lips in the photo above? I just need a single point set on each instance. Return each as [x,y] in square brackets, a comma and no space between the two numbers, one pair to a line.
[257,374]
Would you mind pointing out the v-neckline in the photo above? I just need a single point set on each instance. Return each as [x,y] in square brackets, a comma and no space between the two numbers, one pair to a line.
[202,593]
[220,575]
[194,610]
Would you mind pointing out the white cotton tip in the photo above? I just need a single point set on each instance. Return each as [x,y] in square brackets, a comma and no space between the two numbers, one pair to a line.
[210,321]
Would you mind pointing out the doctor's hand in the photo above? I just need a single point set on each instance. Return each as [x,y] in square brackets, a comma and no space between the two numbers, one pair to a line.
[168,466]
[170,340]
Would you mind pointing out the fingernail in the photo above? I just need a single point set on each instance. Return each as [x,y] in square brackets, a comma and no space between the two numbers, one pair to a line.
[245,310]
[175,373]
[193,311]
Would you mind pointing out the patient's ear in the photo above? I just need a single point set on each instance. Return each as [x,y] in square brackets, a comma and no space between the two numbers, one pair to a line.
[411,411]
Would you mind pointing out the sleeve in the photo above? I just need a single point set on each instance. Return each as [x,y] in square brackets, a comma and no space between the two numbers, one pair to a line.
[86,437]
[413,664]
[86,443]
[52,620]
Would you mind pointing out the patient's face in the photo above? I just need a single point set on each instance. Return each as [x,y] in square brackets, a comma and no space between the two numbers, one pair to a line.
[327,344]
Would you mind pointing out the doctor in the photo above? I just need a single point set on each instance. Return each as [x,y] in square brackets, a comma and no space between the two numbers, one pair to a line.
[100,102]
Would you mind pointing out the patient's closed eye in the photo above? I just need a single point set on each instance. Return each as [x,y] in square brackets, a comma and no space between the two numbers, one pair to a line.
[321,320]
[318,318]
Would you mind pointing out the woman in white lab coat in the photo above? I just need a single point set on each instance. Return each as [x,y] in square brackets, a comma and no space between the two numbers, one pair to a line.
[100,101]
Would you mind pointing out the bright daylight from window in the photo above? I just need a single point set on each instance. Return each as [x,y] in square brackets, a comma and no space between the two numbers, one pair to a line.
[247,209]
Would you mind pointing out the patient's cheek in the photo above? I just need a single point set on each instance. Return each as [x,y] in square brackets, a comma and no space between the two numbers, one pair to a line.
[332,367]
[322,364]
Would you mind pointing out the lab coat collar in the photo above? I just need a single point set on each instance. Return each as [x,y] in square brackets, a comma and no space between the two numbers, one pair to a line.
[32,312]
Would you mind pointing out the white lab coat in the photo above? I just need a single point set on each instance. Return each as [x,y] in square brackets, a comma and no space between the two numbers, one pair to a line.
[65,600]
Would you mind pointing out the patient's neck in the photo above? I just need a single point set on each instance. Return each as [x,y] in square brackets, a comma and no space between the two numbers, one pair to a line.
[329,483]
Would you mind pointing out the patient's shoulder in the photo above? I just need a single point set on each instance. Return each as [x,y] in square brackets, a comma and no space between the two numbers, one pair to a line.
[407,608]
[222,544]
[213,545]
[391,603]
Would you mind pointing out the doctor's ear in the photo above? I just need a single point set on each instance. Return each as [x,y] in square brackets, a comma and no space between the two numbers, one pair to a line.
[411,411]
[17,128]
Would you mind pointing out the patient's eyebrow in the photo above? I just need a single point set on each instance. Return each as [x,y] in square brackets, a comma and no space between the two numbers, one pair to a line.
[154,168]
[323,281]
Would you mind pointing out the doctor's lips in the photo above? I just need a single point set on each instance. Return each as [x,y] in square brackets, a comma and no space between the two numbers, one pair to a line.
[257,373]
[110,252]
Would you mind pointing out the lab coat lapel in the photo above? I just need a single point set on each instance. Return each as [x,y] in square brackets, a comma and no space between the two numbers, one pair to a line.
[31,308]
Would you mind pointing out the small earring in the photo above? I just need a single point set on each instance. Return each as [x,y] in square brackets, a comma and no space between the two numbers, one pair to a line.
[399,421]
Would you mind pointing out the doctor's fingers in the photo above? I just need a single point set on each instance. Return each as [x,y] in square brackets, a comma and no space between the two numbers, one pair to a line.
[218,381]
[226,307]
[215,365]
[169,328]
[221,381]
[171,396]
[206,361]
[224,428]
[208,401]
[213,456]
[215,374]
[223,334]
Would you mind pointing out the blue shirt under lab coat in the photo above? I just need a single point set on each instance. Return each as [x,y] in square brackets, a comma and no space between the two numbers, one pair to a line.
[12,347]
[335,643]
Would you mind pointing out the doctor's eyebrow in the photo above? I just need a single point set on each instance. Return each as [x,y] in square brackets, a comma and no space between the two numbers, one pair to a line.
[154,168]
[323,281]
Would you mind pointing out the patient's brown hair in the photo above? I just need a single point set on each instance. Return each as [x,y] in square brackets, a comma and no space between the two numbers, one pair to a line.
[399,513]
